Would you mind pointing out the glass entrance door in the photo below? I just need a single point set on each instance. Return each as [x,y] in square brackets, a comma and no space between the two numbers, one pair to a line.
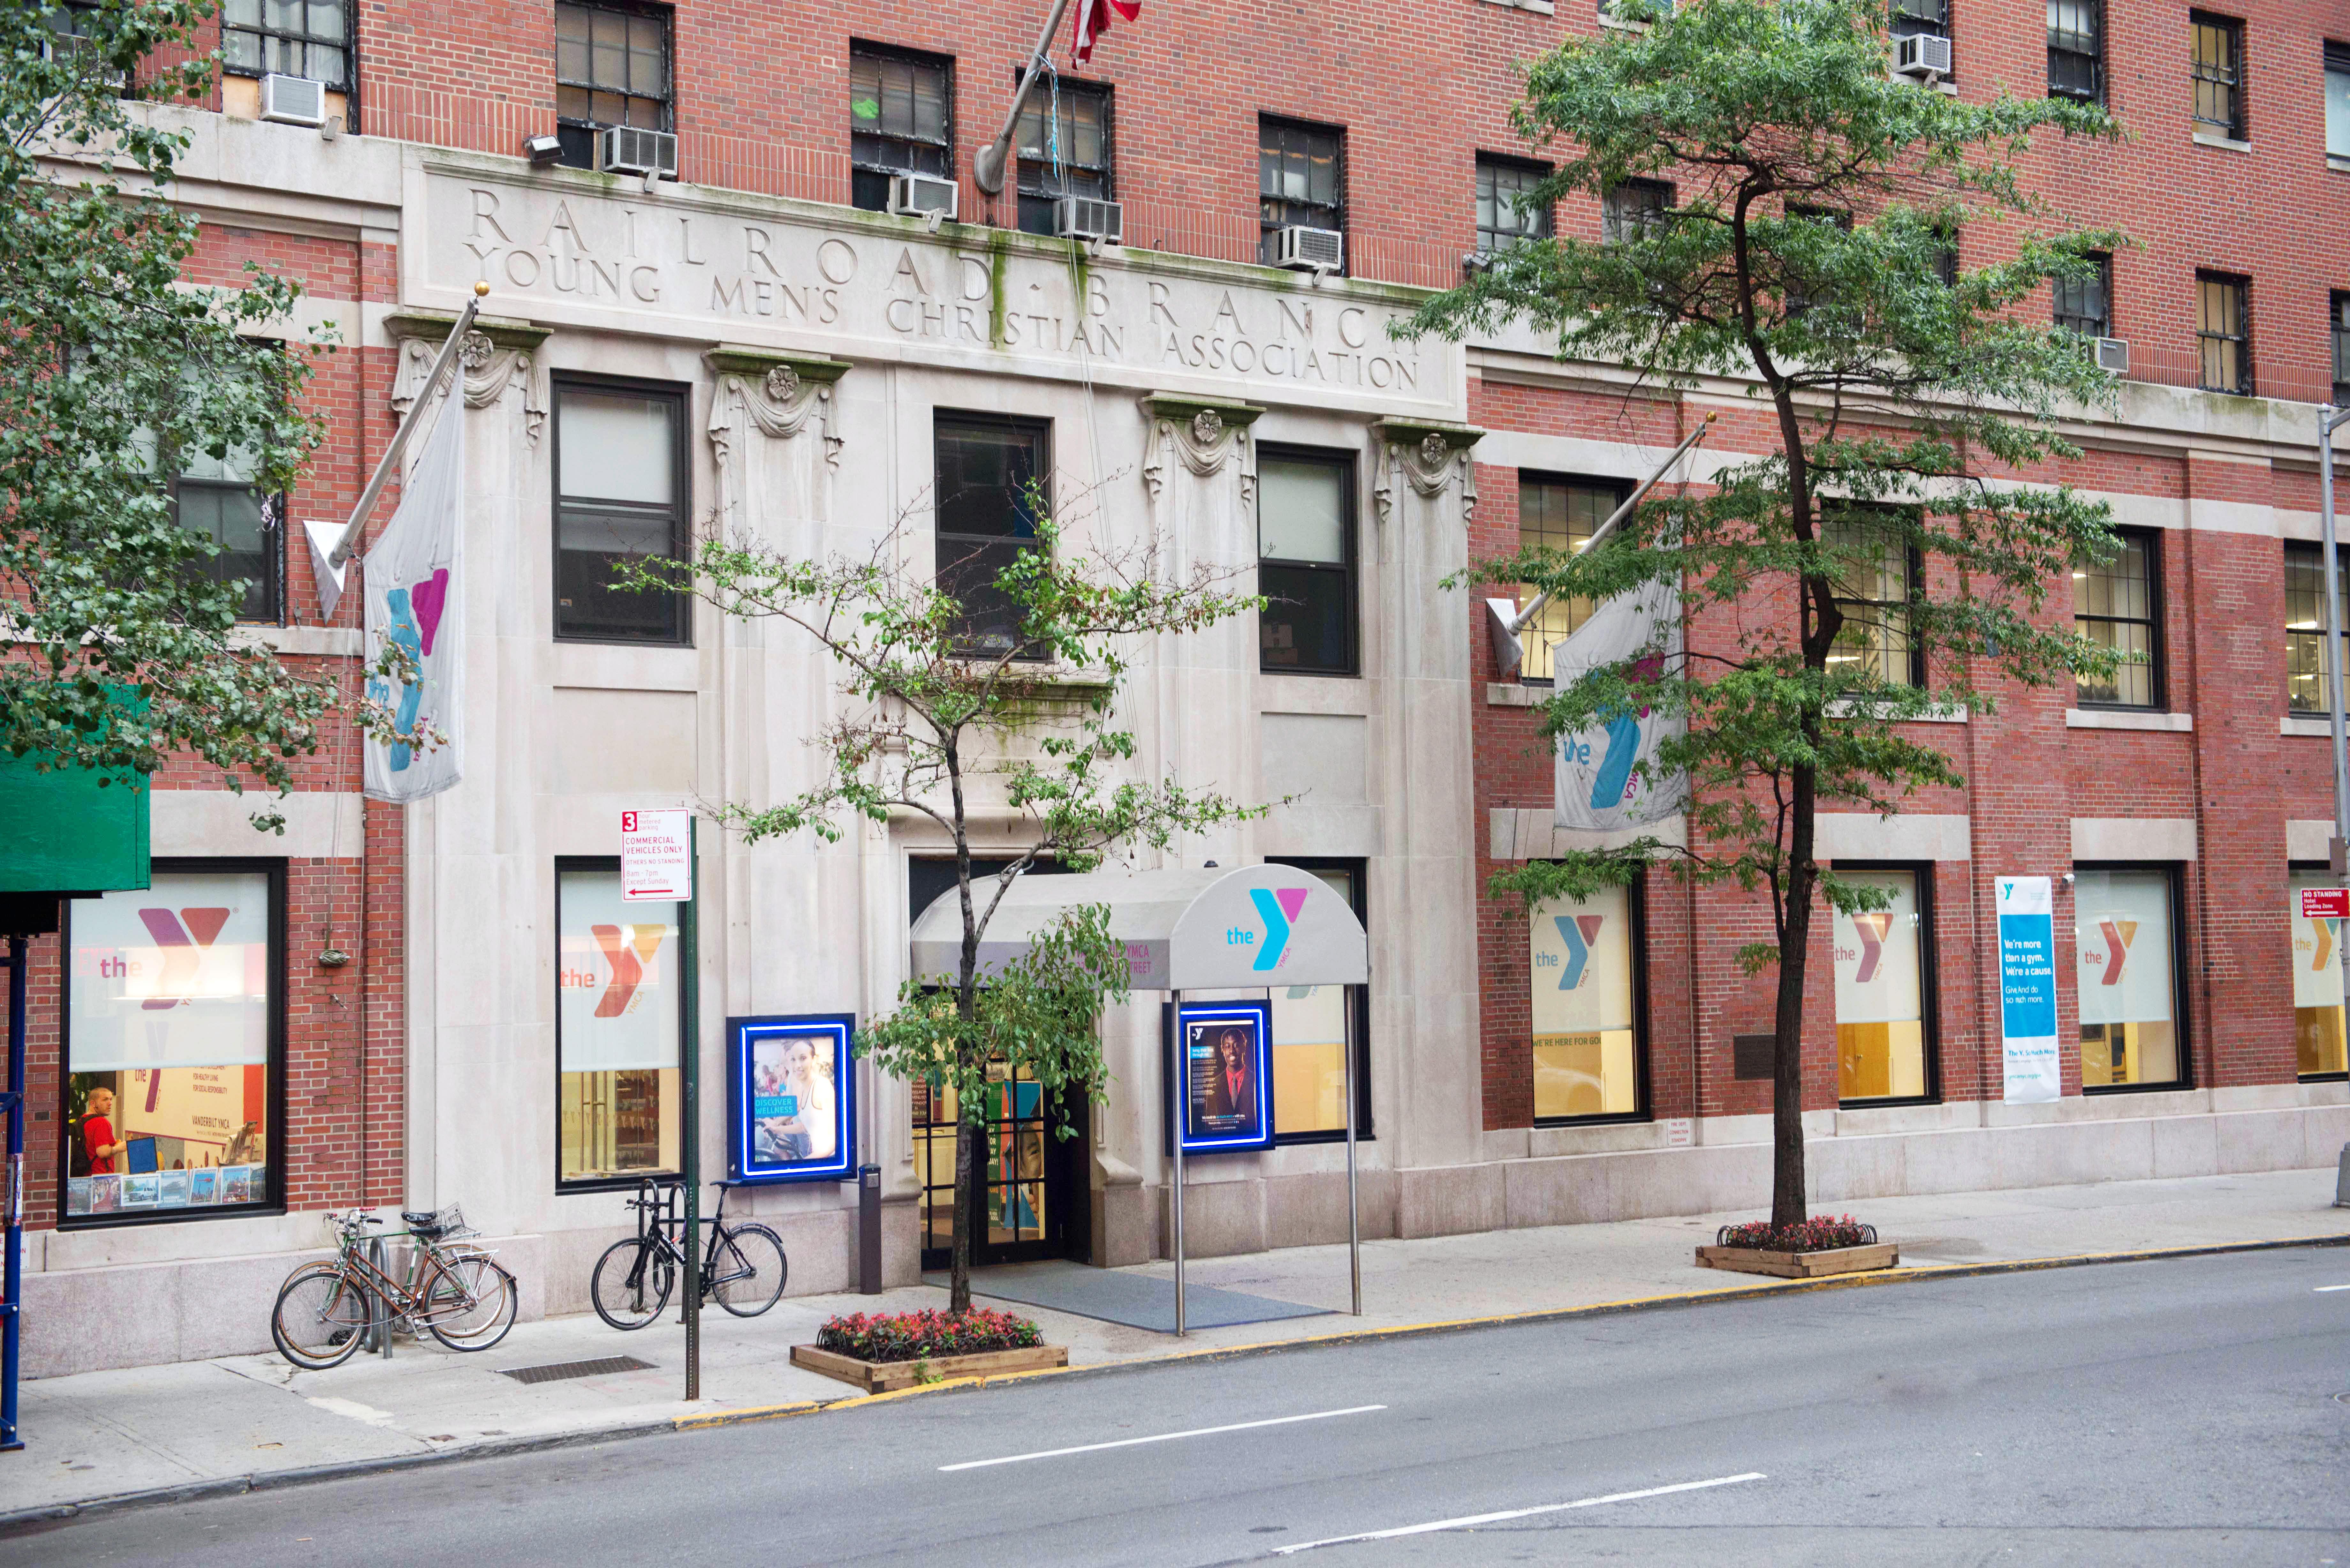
[1028,1184]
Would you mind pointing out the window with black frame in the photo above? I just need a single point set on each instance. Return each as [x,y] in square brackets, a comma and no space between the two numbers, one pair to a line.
[619,1016]
[1315,1030]
[2125,938]
[2216,65]
[619,499]
[1301,171]
[1305,562]
[2337,109]
[307,38]
[2307,673]
[1587,959]
[2076,49]
[2223,333]
[612,68]
[1064,149]
[990,477]
[2086,305]
[2117,605]
[2338,324]
[1876,586]
[901,121]
[1906,19]
[1507,213]
[1561,515]
[1633,210]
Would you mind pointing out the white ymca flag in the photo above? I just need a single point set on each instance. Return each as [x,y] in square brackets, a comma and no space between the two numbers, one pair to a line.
[415,598]
[1596,787]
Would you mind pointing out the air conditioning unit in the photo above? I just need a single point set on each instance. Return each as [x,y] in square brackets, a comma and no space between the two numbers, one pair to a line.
[1089,218]
[2113,354]
[293,101]
[1475,262]
[922,196]
[1309,250]
[1921,54]
[628,149]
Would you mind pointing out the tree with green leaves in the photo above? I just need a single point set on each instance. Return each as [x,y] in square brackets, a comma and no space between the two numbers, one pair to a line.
[115,378]
[1808,251]
[968,689]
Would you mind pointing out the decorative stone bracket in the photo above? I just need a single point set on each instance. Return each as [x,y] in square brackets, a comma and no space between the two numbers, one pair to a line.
[1427,453]
[780,393]
[1202,433]
[496,353]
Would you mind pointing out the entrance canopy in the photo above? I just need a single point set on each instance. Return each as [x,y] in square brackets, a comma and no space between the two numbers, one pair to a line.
[1207,930]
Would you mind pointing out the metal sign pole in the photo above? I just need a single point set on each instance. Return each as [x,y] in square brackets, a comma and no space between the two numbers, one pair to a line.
[690,1117]
[13,1326]
[2328,420]
[1354,1210]
[1182,1097]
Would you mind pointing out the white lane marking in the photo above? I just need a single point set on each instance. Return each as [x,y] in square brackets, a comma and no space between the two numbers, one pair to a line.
[1162,1437]
[1466,1520]
[2323,1289]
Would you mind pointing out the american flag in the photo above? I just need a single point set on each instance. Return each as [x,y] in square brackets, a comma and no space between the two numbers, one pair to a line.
[1094,19]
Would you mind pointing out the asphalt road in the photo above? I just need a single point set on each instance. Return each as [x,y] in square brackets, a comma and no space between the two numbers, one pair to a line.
[2195,1410]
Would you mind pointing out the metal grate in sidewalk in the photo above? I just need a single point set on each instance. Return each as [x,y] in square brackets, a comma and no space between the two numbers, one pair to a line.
[557,1371]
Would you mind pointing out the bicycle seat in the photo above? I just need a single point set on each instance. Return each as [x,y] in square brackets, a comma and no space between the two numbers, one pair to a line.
[425,1224]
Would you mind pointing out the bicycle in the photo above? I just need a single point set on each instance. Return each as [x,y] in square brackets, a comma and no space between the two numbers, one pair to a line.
[460,1295]
[743,1266]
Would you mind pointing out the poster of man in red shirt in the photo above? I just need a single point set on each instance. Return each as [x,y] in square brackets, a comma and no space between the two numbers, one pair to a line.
[97,1133]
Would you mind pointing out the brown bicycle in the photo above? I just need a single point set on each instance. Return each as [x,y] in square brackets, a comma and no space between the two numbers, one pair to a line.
[457,1293]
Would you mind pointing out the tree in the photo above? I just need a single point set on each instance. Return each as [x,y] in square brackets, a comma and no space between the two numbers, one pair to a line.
[935,712]
[115,378]
[1808,250]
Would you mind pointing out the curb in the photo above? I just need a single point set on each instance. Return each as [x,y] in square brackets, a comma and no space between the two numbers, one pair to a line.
[22,1521]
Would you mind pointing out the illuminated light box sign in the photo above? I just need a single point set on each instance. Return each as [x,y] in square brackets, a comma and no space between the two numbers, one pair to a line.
[1223,1079]
[794,1096]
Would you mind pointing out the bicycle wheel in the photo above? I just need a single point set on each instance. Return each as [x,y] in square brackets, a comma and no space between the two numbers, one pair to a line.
[624,1296]
[747,1270]
[321,1318]
[471,1302]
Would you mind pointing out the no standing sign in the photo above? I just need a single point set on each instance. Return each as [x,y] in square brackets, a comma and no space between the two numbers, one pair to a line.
[657,854]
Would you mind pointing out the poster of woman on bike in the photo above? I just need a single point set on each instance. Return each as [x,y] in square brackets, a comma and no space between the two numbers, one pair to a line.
[793,1086]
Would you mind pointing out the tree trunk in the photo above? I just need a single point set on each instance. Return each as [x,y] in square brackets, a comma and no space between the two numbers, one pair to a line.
[1789,1202]
[966,1156]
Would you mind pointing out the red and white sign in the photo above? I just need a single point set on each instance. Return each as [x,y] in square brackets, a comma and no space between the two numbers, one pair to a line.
[656,855]
[2325,903]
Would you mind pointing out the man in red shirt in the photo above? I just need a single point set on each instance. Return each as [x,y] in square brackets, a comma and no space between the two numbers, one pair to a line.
[97,1133]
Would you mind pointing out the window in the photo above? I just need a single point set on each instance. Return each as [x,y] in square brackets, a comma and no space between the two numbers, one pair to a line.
[2223,333]
[2118,604]
[1799,295]
[2316,981]
[901,121]
[2307,671]
[1883,981]
[611,67]
[1300,180]
[215,496]
[620,497]
[989,473]
[2076,49]
[1064,149]
[1874,585]
[290,37]
[174,1045]
[1909,18]
[2126,980]
[2337,310]
[1305,562]
[1313,1029]
[1559,515]
[1944,258]
[2337,109]
[1586,1007]
[2086,305]
[1507,213]
[620,1013]
[1633,210]
[2217,70]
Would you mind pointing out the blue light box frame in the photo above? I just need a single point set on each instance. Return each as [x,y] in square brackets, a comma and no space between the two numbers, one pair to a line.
[1255,1019]
[754,1158]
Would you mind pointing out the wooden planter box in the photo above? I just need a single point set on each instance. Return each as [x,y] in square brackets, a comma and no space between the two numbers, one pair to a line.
[1801,1265]
[881,1376]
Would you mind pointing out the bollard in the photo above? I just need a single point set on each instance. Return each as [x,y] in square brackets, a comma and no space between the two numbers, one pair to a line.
[2342,1181]
[869,1229]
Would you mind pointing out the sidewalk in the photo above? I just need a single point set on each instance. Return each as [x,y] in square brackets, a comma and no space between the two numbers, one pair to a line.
[103,1434]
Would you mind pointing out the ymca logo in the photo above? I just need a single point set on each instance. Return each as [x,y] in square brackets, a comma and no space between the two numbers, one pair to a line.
[628,949]
[2119,934]
[182,937]
[414,613]
[1581,934]
[1871,930]
[1279,907]
[2328,931]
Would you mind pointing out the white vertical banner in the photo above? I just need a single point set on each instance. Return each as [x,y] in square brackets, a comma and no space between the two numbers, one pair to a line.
[1596,787]
[2027,989]
[415,598]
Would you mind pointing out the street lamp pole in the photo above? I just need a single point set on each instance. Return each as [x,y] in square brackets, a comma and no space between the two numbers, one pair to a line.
[2329,419]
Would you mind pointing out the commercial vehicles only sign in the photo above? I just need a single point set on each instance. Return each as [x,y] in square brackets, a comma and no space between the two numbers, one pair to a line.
[657,854]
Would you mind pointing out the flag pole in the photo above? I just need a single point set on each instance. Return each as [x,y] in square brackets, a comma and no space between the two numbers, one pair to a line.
[987,164]
[350,539]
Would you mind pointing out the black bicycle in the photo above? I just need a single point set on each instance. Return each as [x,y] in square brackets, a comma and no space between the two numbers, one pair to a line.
[743,1266]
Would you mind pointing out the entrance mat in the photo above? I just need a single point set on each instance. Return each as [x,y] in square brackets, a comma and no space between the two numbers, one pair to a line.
[1110,1295]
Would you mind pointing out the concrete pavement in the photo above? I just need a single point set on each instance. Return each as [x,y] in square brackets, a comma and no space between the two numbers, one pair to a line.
[103,1434]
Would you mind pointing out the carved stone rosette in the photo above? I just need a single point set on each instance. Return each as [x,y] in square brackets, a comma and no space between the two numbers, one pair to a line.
[1201,436]
[1427,458]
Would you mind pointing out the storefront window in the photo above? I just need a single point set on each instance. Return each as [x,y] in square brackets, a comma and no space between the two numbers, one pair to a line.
[1881,993]
[2126,980]
[1314,1026]
[620,1013]
[1586,1059]
[2316,982]
[171,1024]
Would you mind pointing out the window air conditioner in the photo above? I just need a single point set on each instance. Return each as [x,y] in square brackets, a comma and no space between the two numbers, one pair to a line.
[628,149]
[293,101]
[1475,262]
[1089,218]
[2113,354]
[1309,250]
[1921,54]
[922,196]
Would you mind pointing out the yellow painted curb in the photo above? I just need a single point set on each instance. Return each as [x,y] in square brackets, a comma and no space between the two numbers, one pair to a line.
[747,1413]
